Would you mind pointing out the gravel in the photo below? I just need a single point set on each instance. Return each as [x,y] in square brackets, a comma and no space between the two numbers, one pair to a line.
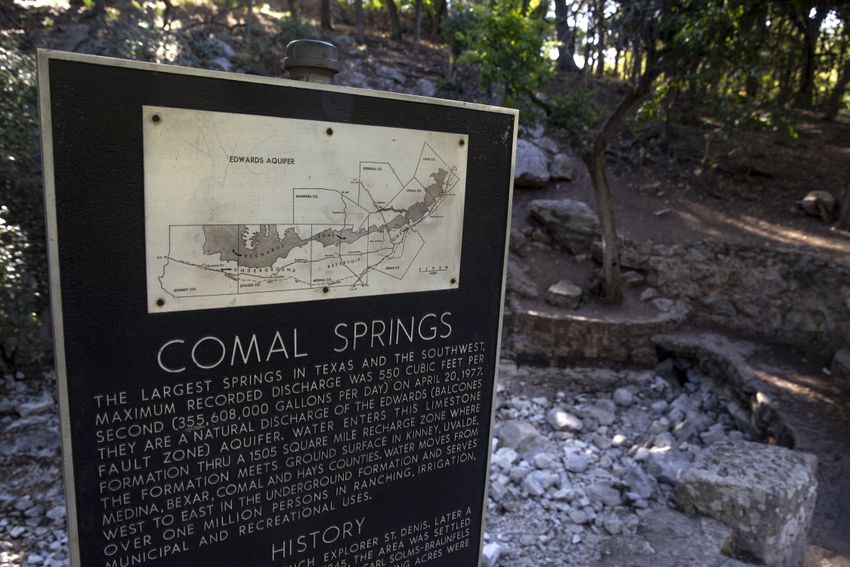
[572,466]
[586,484]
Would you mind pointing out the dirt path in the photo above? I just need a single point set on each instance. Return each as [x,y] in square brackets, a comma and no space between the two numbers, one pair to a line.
[817,407]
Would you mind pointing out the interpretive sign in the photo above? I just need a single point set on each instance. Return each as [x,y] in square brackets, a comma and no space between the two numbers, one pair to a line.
[277,313]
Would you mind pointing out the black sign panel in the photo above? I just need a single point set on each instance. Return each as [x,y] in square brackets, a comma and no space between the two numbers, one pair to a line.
[295,378]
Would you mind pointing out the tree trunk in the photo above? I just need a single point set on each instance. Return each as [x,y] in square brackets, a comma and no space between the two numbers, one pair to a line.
[810,27]
[617,62]
[844,210]
[595,162]
[637,62]
[417,28]
[359,22]
[610,252]
[395,23]
[249,20]
[566,41]
[836,97]
[326,15]
[600,38]
[437,19]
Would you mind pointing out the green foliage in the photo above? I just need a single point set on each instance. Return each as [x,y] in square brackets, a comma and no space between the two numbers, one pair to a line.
[20,299]
[457,29]
[18,110]
[138,35]
[506,46]
[575,110]
[296,27]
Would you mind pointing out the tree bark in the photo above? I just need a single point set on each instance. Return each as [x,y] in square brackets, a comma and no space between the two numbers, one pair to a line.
[417,28]
[844,207]
[437,19]
[588,48]
[566,41]
[326,15]
[836,97]
[810,28]
[395,23]
[359,22]
[595,162]
[600,38]
[249,19]
[754,72]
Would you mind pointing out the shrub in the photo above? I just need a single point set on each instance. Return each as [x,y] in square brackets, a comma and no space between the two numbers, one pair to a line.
[506,46]
[18,110]
[575,110]
[20,299]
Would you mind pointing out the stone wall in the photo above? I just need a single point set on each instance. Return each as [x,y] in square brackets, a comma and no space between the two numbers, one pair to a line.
[547,337]
[780,294]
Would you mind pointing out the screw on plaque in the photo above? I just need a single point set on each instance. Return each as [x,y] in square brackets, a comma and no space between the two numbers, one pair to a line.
[311,60]
[454,281]
[462,142]
[329,131]
[160,302]
[325,289]
[156,118]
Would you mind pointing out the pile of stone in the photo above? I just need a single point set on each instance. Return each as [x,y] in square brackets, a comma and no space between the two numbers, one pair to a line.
[32,522]
[588,466]
[574,470]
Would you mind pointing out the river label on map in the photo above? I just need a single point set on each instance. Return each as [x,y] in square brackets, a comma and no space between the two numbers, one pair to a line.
[253,210]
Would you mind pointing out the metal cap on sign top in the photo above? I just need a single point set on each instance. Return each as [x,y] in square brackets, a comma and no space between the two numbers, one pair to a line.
[311,60]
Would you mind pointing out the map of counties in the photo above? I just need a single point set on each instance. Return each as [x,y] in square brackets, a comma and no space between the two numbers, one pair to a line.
[247,210]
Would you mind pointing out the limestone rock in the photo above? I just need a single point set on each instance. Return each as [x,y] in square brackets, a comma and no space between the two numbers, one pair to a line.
[391,73]
[519,282]
[535,132]
[35,406]
[572,224]
[667,465]
[532,169]
[220,47]
[670,539]
[424,87]
[344,40]
[648,294]
[563,167]
[520,436]
[818,204]
[603,411]
[633,279]
[719,305]
[603,492]
[548,144]
[623,397]
[765,493]
[561,420]
[219,64]
[564,294]
[504,458]
[490,554]
[841,363]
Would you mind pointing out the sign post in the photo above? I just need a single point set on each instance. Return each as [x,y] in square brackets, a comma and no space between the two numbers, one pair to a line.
[277,312]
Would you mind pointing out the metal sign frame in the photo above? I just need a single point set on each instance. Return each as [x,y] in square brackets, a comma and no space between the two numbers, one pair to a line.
[68,185]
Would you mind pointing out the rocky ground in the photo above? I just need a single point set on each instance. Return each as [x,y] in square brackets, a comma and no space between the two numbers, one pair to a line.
[580,455]
[32,502]
[585,454]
